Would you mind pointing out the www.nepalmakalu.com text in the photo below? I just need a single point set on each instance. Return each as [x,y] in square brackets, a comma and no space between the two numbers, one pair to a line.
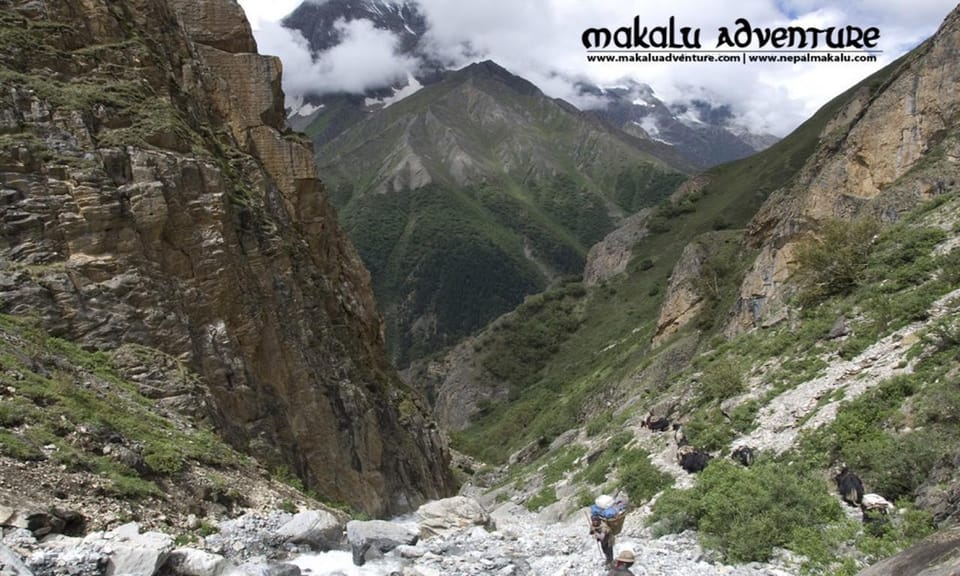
[731,57]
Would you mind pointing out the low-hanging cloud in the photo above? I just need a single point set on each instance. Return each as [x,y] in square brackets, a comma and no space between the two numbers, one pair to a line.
[365,59]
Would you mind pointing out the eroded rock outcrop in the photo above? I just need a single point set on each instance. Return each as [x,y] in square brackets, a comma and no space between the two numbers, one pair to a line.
[611,255]
[697,280]
[151,193]
[684,293]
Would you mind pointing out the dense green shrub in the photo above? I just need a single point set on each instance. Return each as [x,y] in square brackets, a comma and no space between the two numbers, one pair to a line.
[643,185]
[833,261]
[638,477]
[864,436]
[533,334]
[746,512]
[721,380]
[708,429]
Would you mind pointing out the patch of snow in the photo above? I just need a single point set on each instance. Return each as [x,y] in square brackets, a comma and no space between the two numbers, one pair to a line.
[412,86]
[308,109]
[293,103]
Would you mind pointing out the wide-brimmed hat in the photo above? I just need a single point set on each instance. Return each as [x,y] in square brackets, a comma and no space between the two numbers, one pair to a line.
[604,501]
[626,556]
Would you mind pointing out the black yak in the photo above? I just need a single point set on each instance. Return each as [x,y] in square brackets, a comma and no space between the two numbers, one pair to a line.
[849,486]
[656,424]
[692,459]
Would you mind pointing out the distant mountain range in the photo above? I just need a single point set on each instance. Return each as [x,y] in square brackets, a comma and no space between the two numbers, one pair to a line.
[705,135]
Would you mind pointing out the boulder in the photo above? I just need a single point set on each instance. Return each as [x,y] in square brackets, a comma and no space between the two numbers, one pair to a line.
[937,555]
[130,552]
[317,529]
[442,517]
[839,329]
[405,551]
[10,517]
[11,564]
[377,535]
[507,514]
[193,562]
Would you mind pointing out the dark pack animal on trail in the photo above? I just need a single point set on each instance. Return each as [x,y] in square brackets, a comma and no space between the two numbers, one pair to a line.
[656,424]
[849,486]
[692,459]
[743,455]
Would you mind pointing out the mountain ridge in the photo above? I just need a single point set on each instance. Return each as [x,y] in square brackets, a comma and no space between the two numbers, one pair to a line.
[542,181]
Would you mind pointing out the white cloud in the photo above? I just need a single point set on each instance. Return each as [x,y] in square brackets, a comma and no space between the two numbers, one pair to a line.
[261,12]
[540,40]
[365,59]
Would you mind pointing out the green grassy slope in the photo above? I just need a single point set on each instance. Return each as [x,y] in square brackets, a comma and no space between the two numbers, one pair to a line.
[65,404]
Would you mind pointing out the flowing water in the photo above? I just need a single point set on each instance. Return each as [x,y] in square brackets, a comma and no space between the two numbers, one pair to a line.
[340,563]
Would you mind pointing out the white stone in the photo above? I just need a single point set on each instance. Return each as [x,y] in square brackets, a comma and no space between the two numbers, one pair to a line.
[318,529]
[193,562]
[450,515]
[134,553]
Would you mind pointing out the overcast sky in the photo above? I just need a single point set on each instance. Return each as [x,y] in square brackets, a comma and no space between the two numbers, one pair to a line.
[540,40]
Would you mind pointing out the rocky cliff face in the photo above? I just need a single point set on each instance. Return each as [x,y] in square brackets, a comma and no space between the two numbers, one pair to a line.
[892,144]
[151,193]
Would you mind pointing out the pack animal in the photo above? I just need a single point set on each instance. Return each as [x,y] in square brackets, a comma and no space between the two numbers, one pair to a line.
[849,486]
[743,455]
[692,459]
[656,424]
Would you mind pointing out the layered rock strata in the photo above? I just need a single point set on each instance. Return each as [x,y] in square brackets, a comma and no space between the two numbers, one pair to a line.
[151,193]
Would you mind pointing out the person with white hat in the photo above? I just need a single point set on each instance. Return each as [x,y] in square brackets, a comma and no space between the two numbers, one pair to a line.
[624,561]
